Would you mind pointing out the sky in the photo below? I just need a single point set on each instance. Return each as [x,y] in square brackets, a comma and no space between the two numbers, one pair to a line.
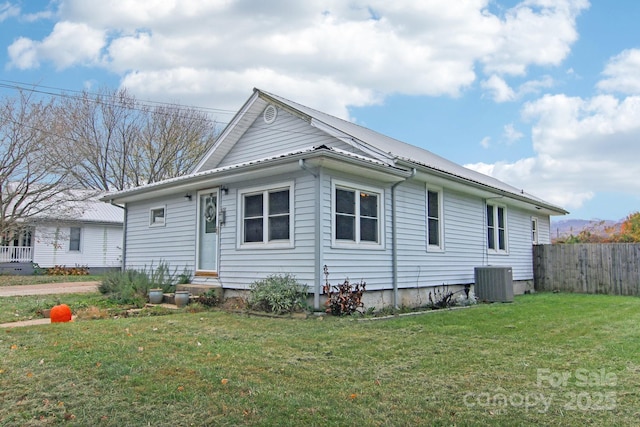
[542,94]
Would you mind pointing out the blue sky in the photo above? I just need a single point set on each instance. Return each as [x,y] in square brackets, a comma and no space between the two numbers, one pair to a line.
[543,94]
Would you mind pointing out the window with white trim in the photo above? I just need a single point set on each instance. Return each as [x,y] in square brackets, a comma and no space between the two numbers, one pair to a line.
[534,230]
[434,219]
[357,215]
[157,216]
[74,239]
[267,216]
[496,228]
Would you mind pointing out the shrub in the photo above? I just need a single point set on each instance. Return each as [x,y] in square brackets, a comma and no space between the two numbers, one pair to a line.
[278,294]
[126,287]
[345,298]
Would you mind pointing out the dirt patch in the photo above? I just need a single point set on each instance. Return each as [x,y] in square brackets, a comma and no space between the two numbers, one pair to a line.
[234,304]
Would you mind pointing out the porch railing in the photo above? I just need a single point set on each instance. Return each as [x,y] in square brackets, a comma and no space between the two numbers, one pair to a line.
[16,254]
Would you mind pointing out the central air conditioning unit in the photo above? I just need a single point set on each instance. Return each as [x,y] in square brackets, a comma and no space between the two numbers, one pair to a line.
[493,284]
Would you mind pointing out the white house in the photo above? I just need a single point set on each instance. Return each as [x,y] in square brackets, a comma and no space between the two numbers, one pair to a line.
[289,189]
[80,233]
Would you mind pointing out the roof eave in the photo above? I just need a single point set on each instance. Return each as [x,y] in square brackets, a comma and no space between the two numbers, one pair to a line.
[538,205]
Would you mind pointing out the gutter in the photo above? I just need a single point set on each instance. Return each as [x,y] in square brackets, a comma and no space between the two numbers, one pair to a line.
[394,238]
[317,287]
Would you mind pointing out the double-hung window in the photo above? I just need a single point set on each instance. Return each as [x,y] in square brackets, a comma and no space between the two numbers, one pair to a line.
[496,228]
[434,220]
[267,216]
[74,239]
[357,215]
[534,230]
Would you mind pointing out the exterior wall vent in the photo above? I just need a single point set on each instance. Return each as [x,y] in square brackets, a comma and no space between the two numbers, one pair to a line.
[270,114]
[493,284]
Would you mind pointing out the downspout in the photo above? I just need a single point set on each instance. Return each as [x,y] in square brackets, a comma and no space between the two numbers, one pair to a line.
[394,239]
[318,241]
[124,233]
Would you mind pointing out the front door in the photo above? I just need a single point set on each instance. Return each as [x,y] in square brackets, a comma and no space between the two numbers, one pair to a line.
[207,259]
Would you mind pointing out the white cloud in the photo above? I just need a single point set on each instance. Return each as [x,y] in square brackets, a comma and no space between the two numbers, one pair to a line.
[485,142]
[582,146]
[364,50]
[622,73]
[7,10]
[498,89]
[511,134]
[68,44]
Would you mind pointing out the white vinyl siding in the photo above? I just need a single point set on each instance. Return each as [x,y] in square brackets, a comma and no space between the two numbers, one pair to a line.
[101,246]
[288,133]
[175,243]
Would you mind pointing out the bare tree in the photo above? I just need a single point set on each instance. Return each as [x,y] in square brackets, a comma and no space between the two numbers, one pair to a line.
[117,142]
[171,142]
[96,135]
[31,185]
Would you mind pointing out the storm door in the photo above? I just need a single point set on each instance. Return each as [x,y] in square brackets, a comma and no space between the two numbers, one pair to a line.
[207,259]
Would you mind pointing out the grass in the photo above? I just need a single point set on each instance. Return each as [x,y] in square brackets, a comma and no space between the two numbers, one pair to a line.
[12,280]
[487,365]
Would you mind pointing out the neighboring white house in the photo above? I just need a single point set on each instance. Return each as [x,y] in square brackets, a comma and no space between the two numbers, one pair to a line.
[289,189]
[87,233]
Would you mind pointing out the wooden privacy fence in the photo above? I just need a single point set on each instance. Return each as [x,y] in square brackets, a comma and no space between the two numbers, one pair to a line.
[593,268]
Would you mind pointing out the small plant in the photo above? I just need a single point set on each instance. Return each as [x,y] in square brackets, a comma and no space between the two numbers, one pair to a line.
[210,298]
[278,294]
[343,299]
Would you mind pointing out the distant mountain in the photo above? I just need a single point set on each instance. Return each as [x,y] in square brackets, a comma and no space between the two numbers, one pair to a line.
[567,227]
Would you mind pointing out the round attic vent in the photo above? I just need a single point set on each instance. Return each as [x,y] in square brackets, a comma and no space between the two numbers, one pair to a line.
[270,114]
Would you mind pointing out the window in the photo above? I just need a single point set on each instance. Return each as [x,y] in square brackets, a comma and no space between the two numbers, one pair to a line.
[496,228]
[357,215]
[156,217]
[534,231]
[266,216]
[74,239]
[434,219]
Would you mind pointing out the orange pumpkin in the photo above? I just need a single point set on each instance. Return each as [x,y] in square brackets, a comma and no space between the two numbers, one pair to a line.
[60,313]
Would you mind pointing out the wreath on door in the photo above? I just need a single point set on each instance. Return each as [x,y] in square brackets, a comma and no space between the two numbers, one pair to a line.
[210,211]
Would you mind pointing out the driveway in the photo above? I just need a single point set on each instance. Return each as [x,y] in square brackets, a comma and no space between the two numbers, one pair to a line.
[49,288]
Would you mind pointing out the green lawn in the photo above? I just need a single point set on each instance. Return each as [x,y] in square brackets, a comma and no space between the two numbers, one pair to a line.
[11,280]
[546,359]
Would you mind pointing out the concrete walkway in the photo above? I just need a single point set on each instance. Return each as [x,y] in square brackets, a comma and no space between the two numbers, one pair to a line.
[49,288]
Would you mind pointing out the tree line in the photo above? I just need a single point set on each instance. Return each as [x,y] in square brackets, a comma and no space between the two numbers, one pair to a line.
[628,231]
[106,141]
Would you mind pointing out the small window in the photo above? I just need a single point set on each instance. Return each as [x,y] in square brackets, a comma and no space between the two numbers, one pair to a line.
[357,213]
[266,216]
[534,231]
[496,228]
[74,239]
[434,219]
[156,217]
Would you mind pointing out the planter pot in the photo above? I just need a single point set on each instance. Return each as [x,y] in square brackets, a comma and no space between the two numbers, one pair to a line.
[155,296]
[181,298]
